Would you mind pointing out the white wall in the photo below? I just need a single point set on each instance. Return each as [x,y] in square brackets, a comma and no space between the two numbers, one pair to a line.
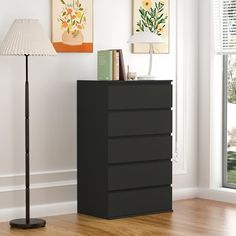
[187,71]
[210,102]
[204,91]
[53,100]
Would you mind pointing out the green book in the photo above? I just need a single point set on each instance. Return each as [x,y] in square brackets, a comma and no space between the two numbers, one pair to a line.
[105,65]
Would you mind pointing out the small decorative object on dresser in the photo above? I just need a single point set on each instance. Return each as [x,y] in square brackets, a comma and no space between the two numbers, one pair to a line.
[124,147]
[131,75]
[26,38]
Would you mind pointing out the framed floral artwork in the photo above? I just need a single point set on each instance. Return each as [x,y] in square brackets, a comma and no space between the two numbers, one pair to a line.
[151,15]
[72,25]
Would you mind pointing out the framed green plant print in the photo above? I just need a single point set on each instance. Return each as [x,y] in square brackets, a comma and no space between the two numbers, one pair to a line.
[153,16]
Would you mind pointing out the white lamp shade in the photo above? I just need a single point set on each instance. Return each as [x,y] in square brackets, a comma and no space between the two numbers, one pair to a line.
[26,37]
[145,37]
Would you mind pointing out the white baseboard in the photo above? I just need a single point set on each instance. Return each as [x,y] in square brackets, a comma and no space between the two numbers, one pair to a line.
[60,184]
[60,208]
[184,193]
[218,194]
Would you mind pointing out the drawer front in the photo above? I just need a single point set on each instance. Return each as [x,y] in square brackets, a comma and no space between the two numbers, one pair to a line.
[139,175]
[140,96]
[130,149]
[137,202]
[124,123]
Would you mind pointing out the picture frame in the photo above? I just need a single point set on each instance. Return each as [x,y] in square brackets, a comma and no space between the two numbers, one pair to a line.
[72,25]
[151,15]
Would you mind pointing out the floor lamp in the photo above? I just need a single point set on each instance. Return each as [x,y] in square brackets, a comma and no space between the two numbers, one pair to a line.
[26,38]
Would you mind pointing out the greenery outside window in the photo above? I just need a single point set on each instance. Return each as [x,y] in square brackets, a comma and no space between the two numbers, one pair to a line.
[229,126]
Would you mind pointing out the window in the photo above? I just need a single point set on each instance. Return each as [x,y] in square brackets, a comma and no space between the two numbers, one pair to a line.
[225,32]
[225,29]
[229,127]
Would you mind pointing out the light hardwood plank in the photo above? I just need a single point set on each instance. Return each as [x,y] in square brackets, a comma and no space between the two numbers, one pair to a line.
[195,217]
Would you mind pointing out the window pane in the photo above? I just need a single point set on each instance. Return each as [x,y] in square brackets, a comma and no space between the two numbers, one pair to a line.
[231,120]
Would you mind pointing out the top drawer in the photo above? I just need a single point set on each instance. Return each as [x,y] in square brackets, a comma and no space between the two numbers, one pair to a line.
[140,96]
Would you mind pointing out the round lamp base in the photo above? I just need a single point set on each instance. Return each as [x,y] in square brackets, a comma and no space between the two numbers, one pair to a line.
[21,223]
[147,77]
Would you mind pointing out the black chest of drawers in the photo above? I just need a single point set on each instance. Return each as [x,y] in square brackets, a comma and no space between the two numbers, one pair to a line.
[124,147]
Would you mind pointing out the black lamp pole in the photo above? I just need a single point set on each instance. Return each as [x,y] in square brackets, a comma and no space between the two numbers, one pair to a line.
[27,222]
[27,175]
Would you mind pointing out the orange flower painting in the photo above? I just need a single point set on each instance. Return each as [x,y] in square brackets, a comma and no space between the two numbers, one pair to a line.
[72,25]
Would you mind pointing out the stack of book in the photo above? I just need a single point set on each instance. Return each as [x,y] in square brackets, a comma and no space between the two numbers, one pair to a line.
[111,65]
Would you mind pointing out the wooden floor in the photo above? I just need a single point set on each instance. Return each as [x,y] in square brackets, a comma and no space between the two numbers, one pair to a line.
[190,218]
